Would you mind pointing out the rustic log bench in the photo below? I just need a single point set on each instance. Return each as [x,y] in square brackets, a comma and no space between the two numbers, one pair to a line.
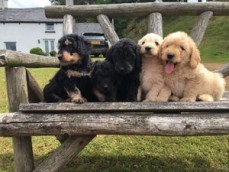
[84,122]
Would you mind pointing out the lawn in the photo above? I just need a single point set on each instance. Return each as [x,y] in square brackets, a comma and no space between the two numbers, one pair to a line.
[126,153]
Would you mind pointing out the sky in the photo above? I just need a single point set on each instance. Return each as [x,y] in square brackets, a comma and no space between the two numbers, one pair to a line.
[27,3]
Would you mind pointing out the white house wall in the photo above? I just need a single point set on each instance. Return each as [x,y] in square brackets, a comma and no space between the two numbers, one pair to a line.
[28,35]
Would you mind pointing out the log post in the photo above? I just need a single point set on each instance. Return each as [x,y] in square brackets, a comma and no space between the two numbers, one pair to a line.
[155,24]
[200,27]
[18,93]
[108,29]
[34,90]
[58,159]
[68,24]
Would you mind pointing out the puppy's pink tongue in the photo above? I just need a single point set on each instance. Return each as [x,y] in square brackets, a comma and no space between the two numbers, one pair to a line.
[169,67]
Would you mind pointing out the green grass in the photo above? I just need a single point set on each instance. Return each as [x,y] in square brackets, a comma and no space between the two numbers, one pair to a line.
[125,153]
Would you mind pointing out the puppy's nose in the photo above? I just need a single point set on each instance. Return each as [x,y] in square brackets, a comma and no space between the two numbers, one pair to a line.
[121,68]
[105,86]
[147,48]
[170,56]
[59,56]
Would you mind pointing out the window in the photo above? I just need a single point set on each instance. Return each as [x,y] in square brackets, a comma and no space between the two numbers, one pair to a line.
[49,45]
[50,28]
[11,46]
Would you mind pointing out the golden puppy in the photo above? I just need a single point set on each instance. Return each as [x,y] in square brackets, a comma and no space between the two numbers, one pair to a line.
[151,77]
[185,77]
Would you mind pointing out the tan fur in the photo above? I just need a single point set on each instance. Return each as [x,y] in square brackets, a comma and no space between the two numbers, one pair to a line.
[151,77]
[75,96]
[189,79]
[68,59]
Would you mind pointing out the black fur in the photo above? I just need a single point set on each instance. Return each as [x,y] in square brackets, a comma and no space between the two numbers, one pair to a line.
[125,57]
[59,86]
[104,81]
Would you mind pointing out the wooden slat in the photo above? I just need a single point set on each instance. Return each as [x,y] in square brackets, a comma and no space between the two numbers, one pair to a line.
[15,59]
[18,93]
[138,9]
[60,157]
[155,24]
[136,123]
[108,29]
[34,90]
[127,107]
[200,27]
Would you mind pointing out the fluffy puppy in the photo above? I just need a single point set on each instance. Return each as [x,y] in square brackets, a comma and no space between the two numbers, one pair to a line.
[125,57]
[104,81]
[185,77]
[64,86]
[151,77]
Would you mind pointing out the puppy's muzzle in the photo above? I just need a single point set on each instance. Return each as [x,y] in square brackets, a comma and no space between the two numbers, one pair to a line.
[147,49]
[170,56]
[59,56]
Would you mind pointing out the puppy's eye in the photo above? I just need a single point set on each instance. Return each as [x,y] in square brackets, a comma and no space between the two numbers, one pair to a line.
[167,46]
[182,48]
[156,43]
[143,42]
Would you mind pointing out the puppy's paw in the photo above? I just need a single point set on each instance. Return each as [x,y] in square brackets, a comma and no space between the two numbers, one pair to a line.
[187,99]
[205,98]
[174,99]
[150,100]
[160,99]
[78,100]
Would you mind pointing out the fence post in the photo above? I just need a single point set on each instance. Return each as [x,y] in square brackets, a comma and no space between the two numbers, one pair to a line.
[155,24]
[18,93]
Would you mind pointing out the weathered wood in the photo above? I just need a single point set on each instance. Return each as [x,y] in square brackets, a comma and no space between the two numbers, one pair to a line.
[15,59]
[135,123]
[200,27]
[155,24]
[18,93]
[34,91]
[224,70]
[68,24]
[58,159]
[108,29]
[138,9]
[127,107]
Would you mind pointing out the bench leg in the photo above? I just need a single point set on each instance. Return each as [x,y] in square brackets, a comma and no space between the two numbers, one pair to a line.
[65,153]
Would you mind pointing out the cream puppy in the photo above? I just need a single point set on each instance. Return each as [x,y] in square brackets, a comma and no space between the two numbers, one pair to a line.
[151,77]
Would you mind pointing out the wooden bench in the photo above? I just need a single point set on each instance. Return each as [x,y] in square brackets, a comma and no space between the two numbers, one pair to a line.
[27,117]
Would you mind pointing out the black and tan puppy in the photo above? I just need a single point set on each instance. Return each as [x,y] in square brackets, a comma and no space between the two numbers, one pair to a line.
[66,85]
[104,81]
[125,57]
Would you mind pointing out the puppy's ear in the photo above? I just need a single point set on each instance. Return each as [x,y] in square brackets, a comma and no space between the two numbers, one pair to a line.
[109,55]
[160,52]
[138,62]
[195,55]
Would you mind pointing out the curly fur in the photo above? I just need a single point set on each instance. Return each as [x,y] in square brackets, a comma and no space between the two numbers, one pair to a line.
[151,77]
[73,56]
[125,57]
[104,81]
[185,77]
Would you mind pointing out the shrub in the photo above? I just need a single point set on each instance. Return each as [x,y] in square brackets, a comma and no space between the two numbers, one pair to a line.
[52,53]
[37,50]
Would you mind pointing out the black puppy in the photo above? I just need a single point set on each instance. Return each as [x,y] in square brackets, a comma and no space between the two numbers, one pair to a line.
[125,57]
[66,85]
[104,81]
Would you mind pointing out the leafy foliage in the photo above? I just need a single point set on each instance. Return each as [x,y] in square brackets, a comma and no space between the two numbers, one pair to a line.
[37,50]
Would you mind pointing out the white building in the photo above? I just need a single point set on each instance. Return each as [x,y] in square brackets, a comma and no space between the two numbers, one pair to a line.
[23,29]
